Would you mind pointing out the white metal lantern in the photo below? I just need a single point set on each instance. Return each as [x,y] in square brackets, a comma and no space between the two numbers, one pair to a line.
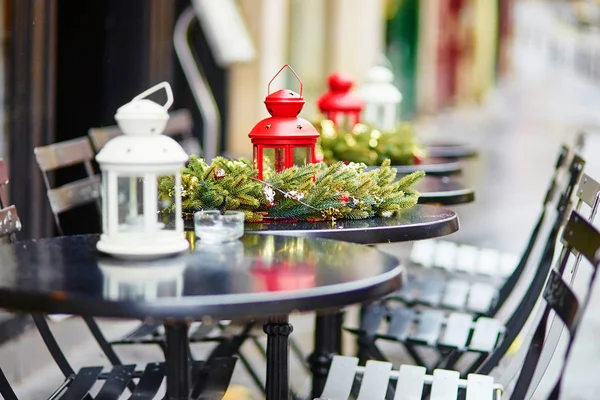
[131,166]
[382,99]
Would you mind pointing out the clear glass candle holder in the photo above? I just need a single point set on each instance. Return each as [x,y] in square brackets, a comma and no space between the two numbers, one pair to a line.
[212,226]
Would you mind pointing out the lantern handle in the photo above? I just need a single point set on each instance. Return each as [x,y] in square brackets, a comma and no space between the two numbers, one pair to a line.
[278,72]
[163,85]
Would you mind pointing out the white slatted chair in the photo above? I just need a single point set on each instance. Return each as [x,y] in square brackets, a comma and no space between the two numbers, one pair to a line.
[409,382]
[452,334]
[376,379]
[474,279]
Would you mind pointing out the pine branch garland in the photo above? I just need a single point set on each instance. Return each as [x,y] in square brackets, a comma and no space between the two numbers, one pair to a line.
[311,192]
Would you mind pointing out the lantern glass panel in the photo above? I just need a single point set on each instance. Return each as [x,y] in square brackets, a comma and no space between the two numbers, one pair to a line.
[302,155]
[131,203]
[167,206]
[273,158]
[343,121]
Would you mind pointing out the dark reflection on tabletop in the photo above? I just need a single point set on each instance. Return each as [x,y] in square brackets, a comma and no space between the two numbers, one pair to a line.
[71,266]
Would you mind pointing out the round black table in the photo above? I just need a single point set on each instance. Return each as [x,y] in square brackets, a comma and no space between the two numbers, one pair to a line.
[431,165]
[258,276]
[416,223]
[450,149]
[444,190]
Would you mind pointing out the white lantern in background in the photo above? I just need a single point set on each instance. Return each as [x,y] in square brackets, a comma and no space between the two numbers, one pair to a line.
[382,99]
[131,166]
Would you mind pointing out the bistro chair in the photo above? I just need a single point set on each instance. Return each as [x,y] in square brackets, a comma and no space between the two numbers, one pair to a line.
[213,376]
[412,382]
[456,287]
[179,127]
[469,274]
[452,334]
[87,190]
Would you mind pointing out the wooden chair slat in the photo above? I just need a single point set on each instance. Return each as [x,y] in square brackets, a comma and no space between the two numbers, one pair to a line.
[429,326]
[3,173]
[63,154]
[561,298]
[466,258]
[588,189]
[75,193]
[116,382]
[340,378]
[375,380]
[480,387]
[432,291]
[9,221]
[422,253]
[508,263]
[455,295]
[582,237]
[489,262]
[481,297]
[100,136]
[485,334]
[180,123]
[445,255]
[445,385]
[373,315]
[83,382]
[410,290]
[150,382]
[411,380]
[458,327]
[400,323]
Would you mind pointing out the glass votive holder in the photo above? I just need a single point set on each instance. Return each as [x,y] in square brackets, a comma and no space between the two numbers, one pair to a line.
[212,226]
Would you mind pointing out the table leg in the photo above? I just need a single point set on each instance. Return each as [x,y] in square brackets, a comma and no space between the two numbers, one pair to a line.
[177,361]
[277,386]
[328,342]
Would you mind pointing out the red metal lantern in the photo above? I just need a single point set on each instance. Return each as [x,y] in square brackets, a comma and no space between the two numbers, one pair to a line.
[339,104]
[283,140]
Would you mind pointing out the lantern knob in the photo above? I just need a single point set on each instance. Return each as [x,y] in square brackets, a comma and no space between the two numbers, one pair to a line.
[339,82]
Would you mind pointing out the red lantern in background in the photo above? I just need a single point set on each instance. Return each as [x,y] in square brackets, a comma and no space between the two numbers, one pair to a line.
[283,140]
[339,104]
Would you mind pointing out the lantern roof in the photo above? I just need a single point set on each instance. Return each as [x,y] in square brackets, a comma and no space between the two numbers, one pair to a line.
[142,122]
[130,150]
[339,97]
[378,87]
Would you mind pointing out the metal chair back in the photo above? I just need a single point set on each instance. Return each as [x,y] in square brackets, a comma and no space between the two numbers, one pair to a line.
[581,240]
[73,194]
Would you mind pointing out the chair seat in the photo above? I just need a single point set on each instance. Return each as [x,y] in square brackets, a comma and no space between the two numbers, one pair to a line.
[153,333]
[463,258]
[458,331]
[450,294]
[409,382]
[210,378]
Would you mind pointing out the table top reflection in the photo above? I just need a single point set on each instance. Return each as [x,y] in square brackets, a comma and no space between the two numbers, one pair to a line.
[416,223]
[257,276]
[445,190]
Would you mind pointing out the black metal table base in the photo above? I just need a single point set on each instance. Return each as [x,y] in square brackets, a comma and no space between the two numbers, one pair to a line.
[178,370]
[278,330]
[328,342]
